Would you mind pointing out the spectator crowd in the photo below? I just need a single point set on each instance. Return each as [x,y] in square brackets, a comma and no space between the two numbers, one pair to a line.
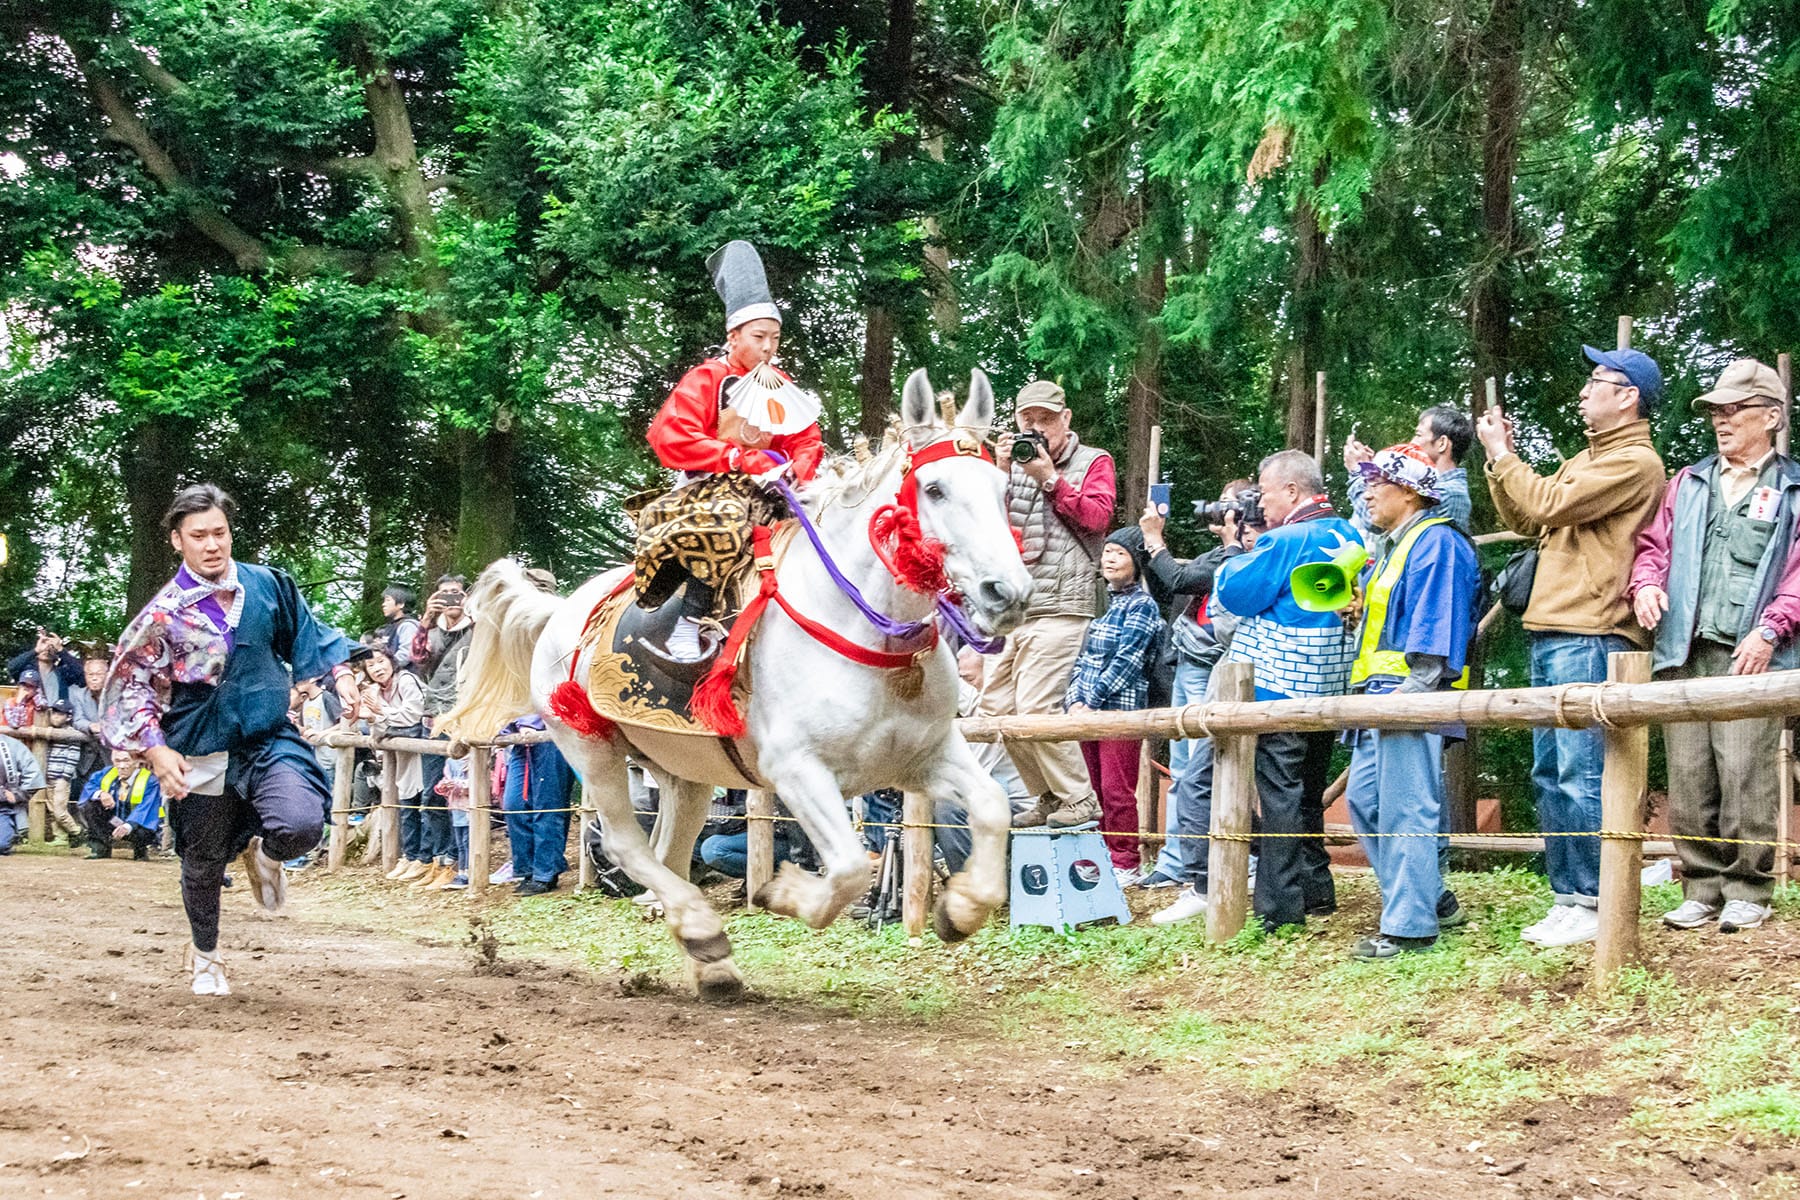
[1699,569]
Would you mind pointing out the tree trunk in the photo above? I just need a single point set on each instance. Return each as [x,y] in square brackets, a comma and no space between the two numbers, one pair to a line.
[1305,353]
[1143,392]
[484,524]
[876,390]
[151,468]
[377,561]
[890,79]
[1490,298]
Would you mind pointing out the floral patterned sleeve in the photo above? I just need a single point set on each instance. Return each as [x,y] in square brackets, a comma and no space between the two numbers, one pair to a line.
[131,702]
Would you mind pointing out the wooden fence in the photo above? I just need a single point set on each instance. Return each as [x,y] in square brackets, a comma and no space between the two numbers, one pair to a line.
[1624,706]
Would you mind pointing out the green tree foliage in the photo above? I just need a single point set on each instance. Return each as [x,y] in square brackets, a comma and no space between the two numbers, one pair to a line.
[411,276]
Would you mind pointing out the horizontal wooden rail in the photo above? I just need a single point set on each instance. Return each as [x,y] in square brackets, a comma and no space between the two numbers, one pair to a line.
[1570,706]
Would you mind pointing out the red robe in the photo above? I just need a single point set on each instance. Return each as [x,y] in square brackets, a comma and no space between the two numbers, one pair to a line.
[685,433]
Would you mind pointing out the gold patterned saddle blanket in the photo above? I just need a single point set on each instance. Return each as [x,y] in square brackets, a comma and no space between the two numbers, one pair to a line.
[633,685]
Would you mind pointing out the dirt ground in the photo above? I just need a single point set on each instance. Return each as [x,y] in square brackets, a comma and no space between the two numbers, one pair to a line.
[358,1061]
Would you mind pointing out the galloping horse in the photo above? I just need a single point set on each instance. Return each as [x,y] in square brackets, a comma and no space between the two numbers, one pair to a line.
[818,727]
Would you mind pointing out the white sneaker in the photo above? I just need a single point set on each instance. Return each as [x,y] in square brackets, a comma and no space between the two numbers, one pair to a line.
[1742,914]
[1691,914]
[1188,905]
[209,972]
[268,878]
[1551,921]
[1127,876]
[504,874]
[683,643]
[1579,924]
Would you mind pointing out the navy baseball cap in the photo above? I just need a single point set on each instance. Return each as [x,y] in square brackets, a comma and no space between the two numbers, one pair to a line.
[1634,365]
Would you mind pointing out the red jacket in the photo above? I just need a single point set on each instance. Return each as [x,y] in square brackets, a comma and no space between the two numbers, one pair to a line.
[685,433]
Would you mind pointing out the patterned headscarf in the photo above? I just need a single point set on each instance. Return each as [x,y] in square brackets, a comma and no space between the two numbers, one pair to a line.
[1407,466]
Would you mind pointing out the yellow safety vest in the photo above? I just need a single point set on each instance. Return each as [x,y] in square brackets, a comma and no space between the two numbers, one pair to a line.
[139,786]
[1370,660]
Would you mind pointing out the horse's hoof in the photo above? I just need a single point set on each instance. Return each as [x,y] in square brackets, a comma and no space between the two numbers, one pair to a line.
[946,928]
[725,987]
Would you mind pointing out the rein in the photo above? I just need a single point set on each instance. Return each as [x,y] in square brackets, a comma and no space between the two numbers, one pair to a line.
[713,702]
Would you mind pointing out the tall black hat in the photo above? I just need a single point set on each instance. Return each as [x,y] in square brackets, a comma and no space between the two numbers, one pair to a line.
[737,274]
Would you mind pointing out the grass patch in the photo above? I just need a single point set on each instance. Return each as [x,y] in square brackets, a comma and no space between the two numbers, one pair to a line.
[1481,1030]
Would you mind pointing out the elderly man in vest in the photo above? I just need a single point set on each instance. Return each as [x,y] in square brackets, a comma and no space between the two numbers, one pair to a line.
[1716,581]
[1060,494]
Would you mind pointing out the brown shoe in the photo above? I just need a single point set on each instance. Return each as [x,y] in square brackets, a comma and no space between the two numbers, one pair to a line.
[1034,816]
[1078,813]
[434,875]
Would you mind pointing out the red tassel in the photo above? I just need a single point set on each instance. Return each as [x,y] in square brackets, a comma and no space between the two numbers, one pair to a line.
[713,704]
[569,704]
[915,561]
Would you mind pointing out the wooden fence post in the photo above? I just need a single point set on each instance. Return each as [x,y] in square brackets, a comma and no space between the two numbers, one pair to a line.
[915,858]
[389,812]
[584,877]
[1624,333]
[343,776]
[1234,793]
[1622,789]
[1784,814]
[759,849]
[481,804]
[1321,419]
[1784,367]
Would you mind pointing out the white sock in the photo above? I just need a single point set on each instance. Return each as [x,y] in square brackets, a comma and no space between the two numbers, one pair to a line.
[684,641]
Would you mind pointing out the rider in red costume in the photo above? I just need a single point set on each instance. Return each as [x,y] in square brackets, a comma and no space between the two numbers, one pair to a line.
[699,534]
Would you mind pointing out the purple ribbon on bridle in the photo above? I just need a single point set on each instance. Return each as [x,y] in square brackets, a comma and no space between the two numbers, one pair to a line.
[951,614]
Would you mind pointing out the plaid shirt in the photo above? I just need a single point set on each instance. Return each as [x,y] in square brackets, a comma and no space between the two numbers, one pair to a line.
[1109,674]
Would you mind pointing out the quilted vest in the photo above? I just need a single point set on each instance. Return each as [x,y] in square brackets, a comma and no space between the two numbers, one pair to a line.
[1064,566]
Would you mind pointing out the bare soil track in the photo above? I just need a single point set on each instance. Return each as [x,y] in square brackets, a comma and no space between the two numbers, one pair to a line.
[361,1062]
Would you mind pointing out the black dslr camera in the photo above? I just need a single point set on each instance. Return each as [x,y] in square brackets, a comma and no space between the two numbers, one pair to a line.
[1028,445]
[1247,504]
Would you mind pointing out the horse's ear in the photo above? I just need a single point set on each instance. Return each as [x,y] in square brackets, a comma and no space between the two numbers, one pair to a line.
[978,412]
[918,403]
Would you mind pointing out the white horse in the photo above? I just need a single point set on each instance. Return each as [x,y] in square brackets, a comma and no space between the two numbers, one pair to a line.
[819,727]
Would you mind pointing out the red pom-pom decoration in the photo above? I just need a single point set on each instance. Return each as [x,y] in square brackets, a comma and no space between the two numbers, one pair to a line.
[569,704]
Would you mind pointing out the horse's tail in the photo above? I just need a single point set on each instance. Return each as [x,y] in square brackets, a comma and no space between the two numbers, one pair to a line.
[493,686]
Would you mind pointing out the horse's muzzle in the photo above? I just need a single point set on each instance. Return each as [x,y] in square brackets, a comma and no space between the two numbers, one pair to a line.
[998,605]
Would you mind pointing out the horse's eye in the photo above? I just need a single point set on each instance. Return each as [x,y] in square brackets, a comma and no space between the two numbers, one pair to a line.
[934,491]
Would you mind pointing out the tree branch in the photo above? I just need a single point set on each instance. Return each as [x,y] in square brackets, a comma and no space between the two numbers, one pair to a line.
[247,251]
[153,72]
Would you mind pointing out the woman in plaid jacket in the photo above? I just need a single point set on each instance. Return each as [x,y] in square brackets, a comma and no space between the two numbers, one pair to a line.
[1111,674]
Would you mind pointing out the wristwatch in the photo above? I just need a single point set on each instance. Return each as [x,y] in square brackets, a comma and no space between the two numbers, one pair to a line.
[1768,634]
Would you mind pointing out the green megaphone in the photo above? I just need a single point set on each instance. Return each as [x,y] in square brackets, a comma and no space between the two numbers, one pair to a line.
[1329,586]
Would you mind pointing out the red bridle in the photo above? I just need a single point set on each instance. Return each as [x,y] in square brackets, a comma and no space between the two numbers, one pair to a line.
[914,560]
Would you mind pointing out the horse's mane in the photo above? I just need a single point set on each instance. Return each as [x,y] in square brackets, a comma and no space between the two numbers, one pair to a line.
[847,478]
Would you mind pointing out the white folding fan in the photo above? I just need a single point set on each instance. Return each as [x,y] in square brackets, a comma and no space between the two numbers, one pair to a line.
[773,404]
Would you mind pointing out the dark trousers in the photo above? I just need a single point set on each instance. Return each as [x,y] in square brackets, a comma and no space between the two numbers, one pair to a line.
[1113,767]
[1293,875]
[284,807]
[436,841]
[412,828]
[97,820]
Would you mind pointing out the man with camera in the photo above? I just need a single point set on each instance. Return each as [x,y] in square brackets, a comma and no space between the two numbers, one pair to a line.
[1198,645]
[1585,517]
[1059,496]
[1295,653]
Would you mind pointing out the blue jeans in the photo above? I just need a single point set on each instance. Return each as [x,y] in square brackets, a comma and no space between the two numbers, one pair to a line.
[538,782]
[728,853]
[1190,688]
[12,820]
[1566,765]
[1397,787]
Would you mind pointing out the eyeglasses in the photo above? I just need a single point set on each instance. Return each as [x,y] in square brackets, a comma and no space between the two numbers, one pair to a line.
[1731,410]
[1597,377]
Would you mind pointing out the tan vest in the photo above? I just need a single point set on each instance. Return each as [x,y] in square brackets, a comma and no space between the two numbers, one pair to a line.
[1064,566]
